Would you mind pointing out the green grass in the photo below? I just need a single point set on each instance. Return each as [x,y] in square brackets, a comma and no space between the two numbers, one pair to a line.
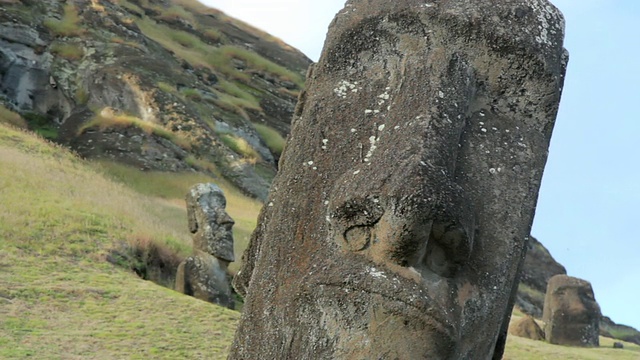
[68,51]
[69,25]
[238,96]
[168,88]
[193,50]
[59,297]
[184,45]
[272,138]
[257,62]
[41,124]
[14,119]
[176,13]
[241,147]
[621,332]
[192,94]
[173,187]
[213,35]
[532,293]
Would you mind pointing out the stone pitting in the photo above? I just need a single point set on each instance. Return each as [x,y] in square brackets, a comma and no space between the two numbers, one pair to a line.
[406,243]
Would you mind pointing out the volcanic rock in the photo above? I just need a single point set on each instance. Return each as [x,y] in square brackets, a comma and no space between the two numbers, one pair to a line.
[396,226]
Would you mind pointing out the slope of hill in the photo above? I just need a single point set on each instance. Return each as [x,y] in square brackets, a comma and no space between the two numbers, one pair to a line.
[157,84]
[59,297]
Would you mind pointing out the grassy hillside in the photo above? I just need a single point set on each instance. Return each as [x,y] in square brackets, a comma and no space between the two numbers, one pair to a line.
[60,219]
[59,297]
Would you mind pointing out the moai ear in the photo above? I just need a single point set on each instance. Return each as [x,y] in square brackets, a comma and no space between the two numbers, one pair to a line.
[191,213]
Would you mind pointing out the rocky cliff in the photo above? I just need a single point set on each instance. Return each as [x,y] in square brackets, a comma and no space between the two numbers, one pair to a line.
[159,84]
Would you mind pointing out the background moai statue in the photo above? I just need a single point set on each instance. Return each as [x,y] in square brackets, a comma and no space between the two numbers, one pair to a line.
[571,313]
[204,274]
[397,224]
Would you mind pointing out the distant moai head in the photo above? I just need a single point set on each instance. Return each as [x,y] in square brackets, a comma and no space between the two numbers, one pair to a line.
[571,313]
[209,222]
[397,224]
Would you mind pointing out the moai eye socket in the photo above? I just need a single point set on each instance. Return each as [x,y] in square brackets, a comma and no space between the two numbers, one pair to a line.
[358,237]
[354,222]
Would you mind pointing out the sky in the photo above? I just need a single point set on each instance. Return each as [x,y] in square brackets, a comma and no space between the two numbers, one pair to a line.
[589,202]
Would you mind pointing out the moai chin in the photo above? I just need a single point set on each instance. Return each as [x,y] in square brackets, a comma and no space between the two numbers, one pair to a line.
[397,224]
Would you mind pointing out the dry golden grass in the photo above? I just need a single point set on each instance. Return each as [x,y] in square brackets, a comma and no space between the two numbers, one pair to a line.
[107,120]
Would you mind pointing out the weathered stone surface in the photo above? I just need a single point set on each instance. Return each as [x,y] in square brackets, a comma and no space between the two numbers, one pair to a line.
[397,224]
[209,222]
[571,313]
[527,327]
[205,277]
[618,345]
[204,274]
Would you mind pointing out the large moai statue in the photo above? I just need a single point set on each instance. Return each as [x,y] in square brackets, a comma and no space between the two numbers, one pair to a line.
[571,313]
[203,275]
[397,224]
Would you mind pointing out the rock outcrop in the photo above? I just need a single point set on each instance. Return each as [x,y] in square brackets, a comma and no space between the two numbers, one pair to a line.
[184,86]
[609,328]
[539,266]
[203,275]
[396,226]
[528,328]
[571,313]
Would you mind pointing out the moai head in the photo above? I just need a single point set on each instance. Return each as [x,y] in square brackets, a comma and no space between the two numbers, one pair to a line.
[209,222]
[571,313]
[397,224]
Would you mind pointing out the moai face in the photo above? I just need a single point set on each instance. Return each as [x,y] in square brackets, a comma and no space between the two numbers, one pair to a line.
[209,223]
[571,312]
[397,224]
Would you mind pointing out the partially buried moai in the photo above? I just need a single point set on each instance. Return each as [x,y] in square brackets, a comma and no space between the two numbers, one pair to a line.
[397,224]
[204,274]
[571,313]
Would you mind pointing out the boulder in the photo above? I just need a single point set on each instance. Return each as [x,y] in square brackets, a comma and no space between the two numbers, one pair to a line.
[618,345]
[204,274]
[571,313]
[397,224]
[528,328]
